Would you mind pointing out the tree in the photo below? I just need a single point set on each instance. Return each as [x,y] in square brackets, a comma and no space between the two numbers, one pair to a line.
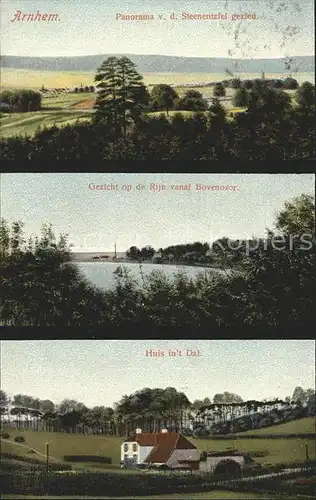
[297,216]
[299,395]
[290,83]
[40,285]
[122,93]
[133,253]
[227,397]
[47,406]
[163,97]
[241,98]
[22,100]
[235,83]
[219,90]
[192,101]
[4,401]
[305,97]
[147,253]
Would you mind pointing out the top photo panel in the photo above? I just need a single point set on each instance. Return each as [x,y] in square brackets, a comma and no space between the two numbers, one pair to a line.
[155,80]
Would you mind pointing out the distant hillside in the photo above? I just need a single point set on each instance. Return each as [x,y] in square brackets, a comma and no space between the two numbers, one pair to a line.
[156,64]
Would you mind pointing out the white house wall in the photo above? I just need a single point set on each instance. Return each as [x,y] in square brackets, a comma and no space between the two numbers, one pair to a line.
[130,451]
[182,455]
[144,452]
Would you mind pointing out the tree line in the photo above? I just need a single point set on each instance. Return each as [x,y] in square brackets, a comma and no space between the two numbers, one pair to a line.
[270,288]
[149,409]
[122,129]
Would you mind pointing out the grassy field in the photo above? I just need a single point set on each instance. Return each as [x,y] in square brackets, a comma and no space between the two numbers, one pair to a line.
[274,450]
[19,78]
[66,109]
[61,110]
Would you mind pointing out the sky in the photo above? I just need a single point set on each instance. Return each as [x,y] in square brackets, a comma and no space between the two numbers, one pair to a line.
[85,28]
[95,220]
[100,372]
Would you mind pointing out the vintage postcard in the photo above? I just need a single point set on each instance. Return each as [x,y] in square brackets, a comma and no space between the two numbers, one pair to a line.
[126,419]
[194,80]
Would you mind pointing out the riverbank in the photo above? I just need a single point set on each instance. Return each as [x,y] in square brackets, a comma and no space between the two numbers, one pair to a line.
[122,261]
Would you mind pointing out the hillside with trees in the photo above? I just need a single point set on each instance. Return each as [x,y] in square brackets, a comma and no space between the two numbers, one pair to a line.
[155,409]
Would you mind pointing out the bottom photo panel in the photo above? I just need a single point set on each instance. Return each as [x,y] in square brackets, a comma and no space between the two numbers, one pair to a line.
[178,419]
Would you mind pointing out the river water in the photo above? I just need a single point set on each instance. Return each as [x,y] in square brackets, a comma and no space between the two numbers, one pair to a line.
[101,274]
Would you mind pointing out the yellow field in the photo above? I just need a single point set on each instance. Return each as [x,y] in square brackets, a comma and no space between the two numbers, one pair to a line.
[20,78]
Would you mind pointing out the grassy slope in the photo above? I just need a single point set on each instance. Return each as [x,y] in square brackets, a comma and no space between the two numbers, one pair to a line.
[277,450]
[302,426]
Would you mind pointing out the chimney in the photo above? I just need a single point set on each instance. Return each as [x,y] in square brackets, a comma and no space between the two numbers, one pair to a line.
[138,431]
[164,431]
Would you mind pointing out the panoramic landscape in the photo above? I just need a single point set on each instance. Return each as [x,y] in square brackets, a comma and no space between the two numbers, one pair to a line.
[246,85]
[208,431]
[158,250]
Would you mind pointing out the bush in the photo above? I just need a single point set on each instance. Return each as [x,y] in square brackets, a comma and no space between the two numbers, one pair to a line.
[219,90]
[5,435]
[19,439]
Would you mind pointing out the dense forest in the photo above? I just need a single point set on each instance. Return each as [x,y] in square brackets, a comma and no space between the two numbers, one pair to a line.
[271,287]
[273,126]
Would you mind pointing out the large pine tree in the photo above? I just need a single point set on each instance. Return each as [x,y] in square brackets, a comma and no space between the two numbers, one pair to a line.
[122,93]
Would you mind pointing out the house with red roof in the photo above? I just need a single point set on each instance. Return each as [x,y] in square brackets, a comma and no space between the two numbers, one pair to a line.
[164,448]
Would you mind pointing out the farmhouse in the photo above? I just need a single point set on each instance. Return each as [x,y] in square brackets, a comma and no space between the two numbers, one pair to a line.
[163,448]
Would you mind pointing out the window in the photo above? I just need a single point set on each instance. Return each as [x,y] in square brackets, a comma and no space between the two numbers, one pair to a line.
[125,447]
[135,458]
[134,447]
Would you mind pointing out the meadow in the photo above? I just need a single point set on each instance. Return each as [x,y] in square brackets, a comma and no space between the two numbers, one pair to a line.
[273,451]
[61,110]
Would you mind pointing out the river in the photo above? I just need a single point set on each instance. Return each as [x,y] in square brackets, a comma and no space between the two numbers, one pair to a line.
[101,274]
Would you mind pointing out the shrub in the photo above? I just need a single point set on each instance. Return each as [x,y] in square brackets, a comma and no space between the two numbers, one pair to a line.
[19,439]
[219,90]
[5,435]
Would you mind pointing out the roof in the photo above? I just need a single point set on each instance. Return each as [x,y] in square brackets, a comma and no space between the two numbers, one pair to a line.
[164,444]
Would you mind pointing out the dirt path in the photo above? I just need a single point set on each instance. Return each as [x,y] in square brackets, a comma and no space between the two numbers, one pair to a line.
[86,104]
